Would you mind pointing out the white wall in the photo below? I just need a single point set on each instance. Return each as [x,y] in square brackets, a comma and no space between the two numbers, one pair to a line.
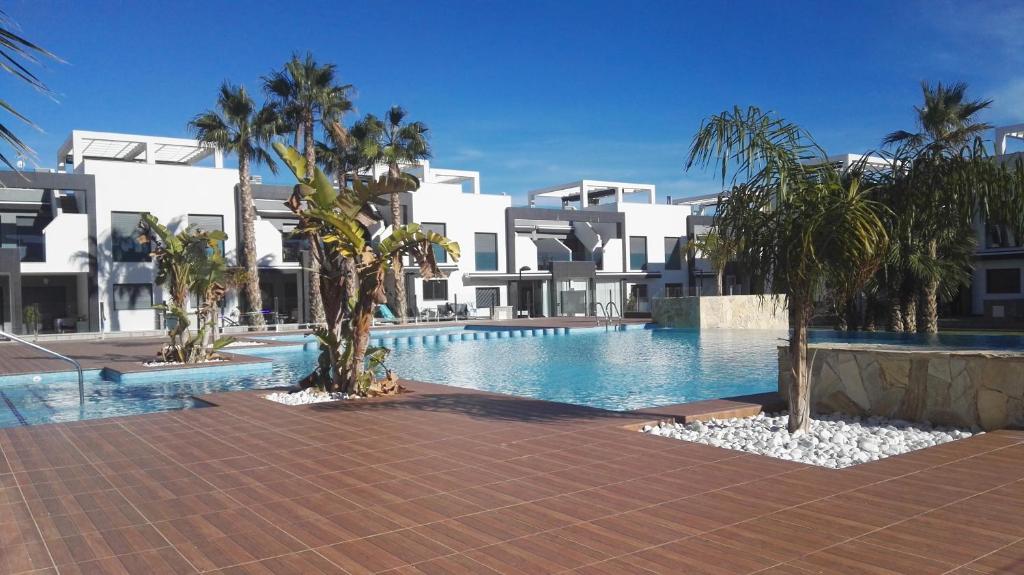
[464,214]
[656,222]
[67,246]
[269,246]
[169,192]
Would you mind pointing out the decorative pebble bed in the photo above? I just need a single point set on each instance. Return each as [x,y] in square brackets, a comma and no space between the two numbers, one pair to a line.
[307,396]
[245,343]
[834,441]
[172,363]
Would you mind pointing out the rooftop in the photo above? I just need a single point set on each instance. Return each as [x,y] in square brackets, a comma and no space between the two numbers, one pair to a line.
[81,145]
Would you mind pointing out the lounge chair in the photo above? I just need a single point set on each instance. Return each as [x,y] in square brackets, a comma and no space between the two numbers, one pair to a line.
[445,312]
[386,316]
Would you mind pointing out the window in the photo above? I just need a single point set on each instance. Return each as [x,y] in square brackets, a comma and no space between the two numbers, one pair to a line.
[29,237]
[207,223]
[673,290]
[124,238]
[486,252]
[435,290]
[1002,280]
[439,254]
[1000,236]
[133,296]
[673,254]
[637,252]
[487,297]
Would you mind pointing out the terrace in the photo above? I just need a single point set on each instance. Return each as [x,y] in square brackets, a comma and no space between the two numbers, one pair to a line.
[455,480]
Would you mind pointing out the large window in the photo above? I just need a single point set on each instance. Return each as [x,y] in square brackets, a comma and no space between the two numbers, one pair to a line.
[487,297]
[1002,280]
[435,290]
[486,252]
[673,290]
[439,254]
[208,223]
[133,296]
[29,237]
[637,252]
[124,238]
[673,253]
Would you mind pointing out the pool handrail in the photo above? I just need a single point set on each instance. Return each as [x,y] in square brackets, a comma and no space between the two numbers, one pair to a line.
[78,366]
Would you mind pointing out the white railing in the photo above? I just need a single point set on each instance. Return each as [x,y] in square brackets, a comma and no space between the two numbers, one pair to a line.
[78,366]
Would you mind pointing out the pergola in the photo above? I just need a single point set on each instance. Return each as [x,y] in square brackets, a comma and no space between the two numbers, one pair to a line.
[83,145]
[583,191]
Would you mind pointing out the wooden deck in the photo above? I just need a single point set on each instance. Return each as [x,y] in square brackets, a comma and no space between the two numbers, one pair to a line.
[448,481]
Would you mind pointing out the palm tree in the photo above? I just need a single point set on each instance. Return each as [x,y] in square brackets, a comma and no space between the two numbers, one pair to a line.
[947,124]
[799,226]
[307,94]
[238,126]
[14,49]
[393,142]
[718,249]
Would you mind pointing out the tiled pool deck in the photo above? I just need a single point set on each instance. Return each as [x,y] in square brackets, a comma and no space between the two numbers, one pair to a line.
[446,480]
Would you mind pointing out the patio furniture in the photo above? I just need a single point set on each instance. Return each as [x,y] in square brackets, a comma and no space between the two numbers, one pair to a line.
[386,316]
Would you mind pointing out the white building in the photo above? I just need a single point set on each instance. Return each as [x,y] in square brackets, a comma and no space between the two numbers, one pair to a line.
[996,290]
[68,243]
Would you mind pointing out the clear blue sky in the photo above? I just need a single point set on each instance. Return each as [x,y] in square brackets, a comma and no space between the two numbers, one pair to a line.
[532,94]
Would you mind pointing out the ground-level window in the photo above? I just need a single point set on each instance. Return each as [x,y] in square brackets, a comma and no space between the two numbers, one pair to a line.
[673,290]
[133,296]
[486,247]
[637,252]
[487,297]
[435,290]
[439,254]
[1002,280]
[673,253]
[124,237]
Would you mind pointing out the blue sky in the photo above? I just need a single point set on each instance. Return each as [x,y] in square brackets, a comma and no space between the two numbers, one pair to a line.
[533,93]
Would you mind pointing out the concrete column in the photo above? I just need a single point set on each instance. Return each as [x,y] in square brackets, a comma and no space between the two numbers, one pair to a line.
[150,151]
[618,195]
[583,196]
[218,158]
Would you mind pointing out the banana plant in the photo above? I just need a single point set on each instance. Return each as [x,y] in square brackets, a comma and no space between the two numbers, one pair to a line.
[189,262]
[338,224]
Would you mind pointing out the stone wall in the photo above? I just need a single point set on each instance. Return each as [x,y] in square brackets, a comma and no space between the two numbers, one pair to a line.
[961,388]
[721,312]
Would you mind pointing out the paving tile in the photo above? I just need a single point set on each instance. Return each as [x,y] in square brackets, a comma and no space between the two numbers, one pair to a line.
[1009,559]
[24,558]
[93,545]
[383,552]
[856,557]
[303,563]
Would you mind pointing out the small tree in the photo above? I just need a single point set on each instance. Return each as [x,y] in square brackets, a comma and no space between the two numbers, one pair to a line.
[800,225]
[189,263]
[339,223]
[30,317]
[719,250]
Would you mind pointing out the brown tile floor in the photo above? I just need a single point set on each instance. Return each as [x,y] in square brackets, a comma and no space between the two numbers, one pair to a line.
[450,481]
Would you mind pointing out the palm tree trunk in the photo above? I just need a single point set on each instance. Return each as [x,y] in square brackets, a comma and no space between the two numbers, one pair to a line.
[316,302]
[397,277]
[895,315]
[929,306]
[348,265]
[719,285]
[800,388]
[253,299]
[909,305]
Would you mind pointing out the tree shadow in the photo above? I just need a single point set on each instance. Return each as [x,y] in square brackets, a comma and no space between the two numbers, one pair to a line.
[479,405]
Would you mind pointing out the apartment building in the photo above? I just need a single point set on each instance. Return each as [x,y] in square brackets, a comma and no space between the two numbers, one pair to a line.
[68,245]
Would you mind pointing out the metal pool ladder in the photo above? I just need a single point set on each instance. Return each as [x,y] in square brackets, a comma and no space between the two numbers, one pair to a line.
[78,366]
[606,312]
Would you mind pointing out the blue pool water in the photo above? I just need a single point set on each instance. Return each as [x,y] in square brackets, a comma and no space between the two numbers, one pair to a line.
[613,370]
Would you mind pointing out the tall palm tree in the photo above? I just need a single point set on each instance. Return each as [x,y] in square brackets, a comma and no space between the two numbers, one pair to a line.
[394,142]
[239,127]
[14,49]
[798,226]
[947,125]
[308,95]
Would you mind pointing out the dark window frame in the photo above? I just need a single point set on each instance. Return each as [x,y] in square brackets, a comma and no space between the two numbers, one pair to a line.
[674,257]
[440,255]
[134,306]
[1011,284]
[115,252]
[646,253]
[477,251]
[430,288]
[223,246]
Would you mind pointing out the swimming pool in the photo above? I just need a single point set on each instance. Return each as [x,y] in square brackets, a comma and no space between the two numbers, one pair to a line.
[619,370]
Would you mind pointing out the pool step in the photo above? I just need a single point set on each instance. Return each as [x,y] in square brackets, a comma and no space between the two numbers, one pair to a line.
[469,335]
